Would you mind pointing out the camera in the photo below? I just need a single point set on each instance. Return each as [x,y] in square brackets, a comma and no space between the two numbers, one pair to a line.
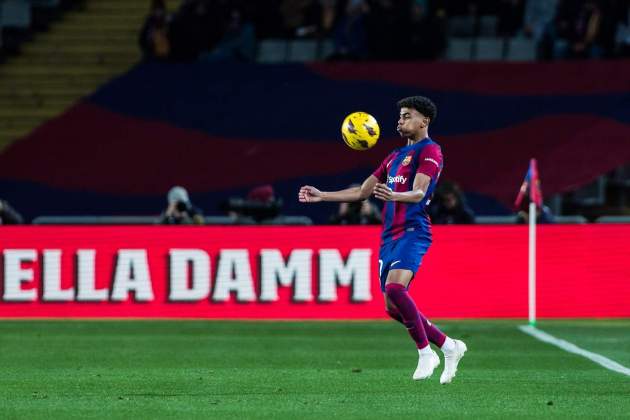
[255,209]
[181,206]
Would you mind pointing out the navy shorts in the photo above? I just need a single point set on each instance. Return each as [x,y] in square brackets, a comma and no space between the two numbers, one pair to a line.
[404,253]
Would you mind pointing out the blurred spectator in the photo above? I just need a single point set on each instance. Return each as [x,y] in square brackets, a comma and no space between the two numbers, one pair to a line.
[238,42]
[461,7]
[350,30]
[260,205]
[387,23]
[382,29]
[448,207]
[8,215]
[577,30]
[543,216]
[510,17]
[329,16]
[268,20]
[154,36]
[357,213]
[180,210]
[539,15]
[620,12]
[301,18]
[197,26]
[427,32]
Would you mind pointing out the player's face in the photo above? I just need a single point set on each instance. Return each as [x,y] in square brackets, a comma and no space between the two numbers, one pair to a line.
[411,123]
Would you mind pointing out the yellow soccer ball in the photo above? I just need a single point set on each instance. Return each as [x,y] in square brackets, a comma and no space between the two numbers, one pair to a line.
[360,130]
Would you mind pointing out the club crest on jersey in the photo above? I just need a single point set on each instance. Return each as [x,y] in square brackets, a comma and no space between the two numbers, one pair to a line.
[406,160]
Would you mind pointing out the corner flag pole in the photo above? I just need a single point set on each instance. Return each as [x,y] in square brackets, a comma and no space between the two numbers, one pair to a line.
[531,183]
[532,264]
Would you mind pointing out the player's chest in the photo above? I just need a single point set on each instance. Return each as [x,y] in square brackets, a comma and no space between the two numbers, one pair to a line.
[401,168]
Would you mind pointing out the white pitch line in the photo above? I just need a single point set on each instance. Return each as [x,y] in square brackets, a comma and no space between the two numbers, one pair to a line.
[572,348]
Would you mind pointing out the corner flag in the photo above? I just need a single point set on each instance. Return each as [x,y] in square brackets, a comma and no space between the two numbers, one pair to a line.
[531,181]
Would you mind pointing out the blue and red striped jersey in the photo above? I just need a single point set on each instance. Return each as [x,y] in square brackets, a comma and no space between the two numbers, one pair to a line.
[398,171]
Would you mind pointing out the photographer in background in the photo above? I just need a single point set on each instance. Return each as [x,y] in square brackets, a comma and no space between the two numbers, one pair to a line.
[260,206]
[8,215]
[180,210]
[357,213]
[448,206]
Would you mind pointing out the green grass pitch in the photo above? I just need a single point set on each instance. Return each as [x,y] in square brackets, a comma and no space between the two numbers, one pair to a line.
[343,370]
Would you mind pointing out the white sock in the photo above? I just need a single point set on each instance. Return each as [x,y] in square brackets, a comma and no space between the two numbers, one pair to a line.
[448,346]
[425,350]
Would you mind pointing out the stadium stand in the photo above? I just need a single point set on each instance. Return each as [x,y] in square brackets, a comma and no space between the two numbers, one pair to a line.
[613,219]
[495,220]
[576,219]
[491,48]
[459,49]
[73,78]
[89,46]
[205,145]
[521,49]
[151,220]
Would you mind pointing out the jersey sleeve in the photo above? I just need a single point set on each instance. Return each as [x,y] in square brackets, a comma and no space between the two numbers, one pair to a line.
[430,161]
[381,171]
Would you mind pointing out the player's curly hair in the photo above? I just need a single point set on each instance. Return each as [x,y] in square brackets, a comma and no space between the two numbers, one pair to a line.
[422,104]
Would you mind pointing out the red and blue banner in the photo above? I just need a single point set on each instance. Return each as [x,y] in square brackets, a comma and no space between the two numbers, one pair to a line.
[221,128]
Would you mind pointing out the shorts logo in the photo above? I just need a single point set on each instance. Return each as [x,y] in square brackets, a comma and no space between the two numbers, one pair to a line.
[406,161]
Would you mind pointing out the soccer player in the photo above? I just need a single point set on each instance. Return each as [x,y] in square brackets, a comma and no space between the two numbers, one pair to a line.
[405,181]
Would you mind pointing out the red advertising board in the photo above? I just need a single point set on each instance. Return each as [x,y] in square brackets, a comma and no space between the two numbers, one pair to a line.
[304,272]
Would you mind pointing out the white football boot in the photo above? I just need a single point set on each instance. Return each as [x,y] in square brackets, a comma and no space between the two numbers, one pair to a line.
[451,360]
[427,362]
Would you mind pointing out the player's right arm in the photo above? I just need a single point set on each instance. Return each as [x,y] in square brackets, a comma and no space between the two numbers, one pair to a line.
[309,194]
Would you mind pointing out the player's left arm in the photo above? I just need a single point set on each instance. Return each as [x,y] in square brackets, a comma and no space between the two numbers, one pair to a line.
[420,186]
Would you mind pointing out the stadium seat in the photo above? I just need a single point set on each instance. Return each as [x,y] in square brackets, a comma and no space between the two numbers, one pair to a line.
[326,49]
[461,26]
[44,12]
[593,194]
[289,220]
[577,219]
[15,23]
[459,49]
[301,50]
[613,219]
[15,14]
[95,220]
[227,220]
[272,51]
[521,49]
[488,25]
[495,220]
[45,3]
[489,48]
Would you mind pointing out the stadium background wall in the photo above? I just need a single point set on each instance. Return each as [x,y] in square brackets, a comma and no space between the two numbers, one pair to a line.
[305,272]
[216,127]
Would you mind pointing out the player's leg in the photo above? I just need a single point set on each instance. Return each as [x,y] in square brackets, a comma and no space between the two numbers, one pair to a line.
[397,295]
[434,334]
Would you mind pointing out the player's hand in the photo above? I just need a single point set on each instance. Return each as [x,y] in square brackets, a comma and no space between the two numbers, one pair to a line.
[309,194]
[383,192]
